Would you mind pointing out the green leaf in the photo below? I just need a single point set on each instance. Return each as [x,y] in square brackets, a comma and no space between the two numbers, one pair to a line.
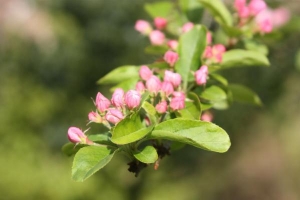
[156,50]
[191,47]
[205,106]
[254,46]
[193,9]
[119,75]
[70,149]
[101,139]
[219,78]
[159,9]
[147,155]
[213,93]
[219,11]
[129,130]
[127,84]
[151,112]
[89,160]
[192,108]
[204,135]
[243,94]
[243,58]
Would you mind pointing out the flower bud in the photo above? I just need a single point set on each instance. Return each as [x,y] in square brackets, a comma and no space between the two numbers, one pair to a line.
[173,44]
[140,87]
[143,27]
[157,38]
[208,38]
[76,135]
[132,99]
[167,88]
[153,84]
[171,58]
[114,116]
[160,23]
[94,117]
[178,101]
[201,75]
[118,98]
[256,6]
[187,27]
[102,102]
[161,107]
[207,116]
[173,78]
[264,21]
[145,73]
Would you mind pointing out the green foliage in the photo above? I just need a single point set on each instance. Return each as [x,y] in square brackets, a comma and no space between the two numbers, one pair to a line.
[200,134]
[147,155]
[159,9]
[191,47]
[89,160]
[244,58]
[192,108]
[129,130]
[120,74]
[243,94]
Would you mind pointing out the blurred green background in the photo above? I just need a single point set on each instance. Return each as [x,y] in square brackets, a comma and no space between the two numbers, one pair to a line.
[51,55]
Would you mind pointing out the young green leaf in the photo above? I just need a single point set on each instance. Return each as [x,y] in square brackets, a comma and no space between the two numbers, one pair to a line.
[197,133]
[151,112]
[243,94]
[119,75]
[159,9]
[147,155]
[213,93]
[191,47]
[219,78]
[70,149]
[219,11]
[89,160]
[243,58]
[193,9]
[129,130]
[127,84]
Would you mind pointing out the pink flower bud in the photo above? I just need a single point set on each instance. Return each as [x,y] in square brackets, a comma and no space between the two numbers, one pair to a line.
[208,52]
[171,58]
[102,102]
[153,84]
[167,88]
[76,135]
[145,73]
[187,27]
[132,99]
[140,87]
[264,21]
[160,23]
[239,4]
[173,44]
[219,49]
[173,78]
[280,16]
[244,12]
[256,6]
[201,75]
[178,101]
[161,107]
[207,116]
[143,27]
[208,38]
[114,116]
[118,98]
[157,38]
[94,117]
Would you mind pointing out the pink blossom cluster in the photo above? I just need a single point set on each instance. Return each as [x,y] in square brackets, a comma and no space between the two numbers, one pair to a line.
[157,37]
[214,53]
[166,90]
[257,10]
